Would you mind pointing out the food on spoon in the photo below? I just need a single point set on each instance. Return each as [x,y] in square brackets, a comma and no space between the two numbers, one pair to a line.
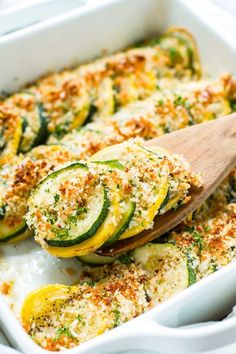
[81,207]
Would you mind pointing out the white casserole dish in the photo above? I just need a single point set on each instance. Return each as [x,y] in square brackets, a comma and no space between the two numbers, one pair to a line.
[82,35]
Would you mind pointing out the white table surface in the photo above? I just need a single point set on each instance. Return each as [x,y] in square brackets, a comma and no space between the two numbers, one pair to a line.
[229,6]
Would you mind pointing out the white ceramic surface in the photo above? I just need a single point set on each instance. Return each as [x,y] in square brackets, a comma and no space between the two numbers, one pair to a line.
[114,25]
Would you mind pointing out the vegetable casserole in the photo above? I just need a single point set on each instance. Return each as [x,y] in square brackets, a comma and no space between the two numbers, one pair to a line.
[74,173]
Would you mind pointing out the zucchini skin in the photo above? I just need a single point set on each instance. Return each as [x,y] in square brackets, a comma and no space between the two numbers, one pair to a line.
[57,172]
[42,133]
[2,211]
[124,224]
[92,111]
[85,236]
[13,235]
[128,215]
[111,163]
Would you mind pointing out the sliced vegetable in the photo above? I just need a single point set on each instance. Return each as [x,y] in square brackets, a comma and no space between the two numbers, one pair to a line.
[181,44]
[40,301]
[172,199]
[123,224]
[71,228]
[104,103]
[12,232]
[128,206]
[35,130]
[168,265]
[136,158]
[57,153]
[84,221]
[11,126]
[34,119]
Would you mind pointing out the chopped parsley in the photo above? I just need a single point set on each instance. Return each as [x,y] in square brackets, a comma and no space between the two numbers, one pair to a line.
[117,316]
[61,233]
[2,211]
[81,320]
[56,197]
[63,332]
[73,219]
[160,103]
[179,101]
[81,210]
[197,236]
[214,266]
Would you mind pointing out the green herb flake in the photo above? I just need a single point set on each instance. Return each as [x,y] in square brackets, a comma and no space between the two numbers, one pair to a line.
[179,101]
[80,319]
[160,103]
[56,197]
[197,236]
[117,316]
[61,233]
[81,210]
[63,332]
[214,266]
[73,219]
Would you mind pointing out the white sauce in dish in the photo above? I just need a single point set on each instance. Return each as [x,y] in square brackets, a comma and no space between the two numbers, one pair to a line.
[28,267]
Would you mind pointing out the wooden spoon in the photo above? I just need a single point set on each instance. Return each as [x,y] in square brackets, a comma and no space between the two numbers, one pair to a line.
[210,148]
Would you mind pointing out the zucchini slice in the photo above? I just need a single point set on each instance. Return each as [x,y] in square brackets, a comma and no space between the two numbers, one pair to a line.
[172,200]
[123,224]
[14,232]
[69,229]
[132,155]
[128,207]
[11,126]
[34,120]
[53,152]
[152,211]
[168,265]
[93,258]
[181,44]
[35,132]
[2,203]
[104,102]
[39,301]
[63,228]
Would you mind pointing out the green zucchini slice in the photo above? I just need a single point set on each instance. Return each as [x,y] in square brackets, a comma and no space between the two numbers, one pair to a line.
[83,220]
[105,103]
[136,158]
[181,44]
[35,129]
[128,207]
[123,224]
[168,265]
[34,120]
[10,232]
[11,126]
[2,203]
